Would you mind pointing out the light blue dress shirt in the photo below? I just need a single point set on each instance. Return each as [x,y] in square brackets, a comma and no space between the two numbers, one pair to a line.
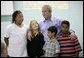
[45,24]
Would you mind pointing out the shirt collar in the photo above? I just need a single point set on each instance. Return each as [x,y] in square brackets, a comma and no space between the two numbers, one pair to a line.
[48,20]
[18,26]
[52,39]
[61,33]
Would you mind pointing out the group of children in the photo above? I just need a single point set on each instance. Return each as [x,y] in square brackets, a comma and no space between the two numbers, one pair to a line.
[62,44]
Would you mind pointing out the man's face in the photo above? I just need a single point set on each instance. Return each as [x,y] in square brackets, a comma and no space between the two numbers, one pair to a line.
[46,13]
[19,18]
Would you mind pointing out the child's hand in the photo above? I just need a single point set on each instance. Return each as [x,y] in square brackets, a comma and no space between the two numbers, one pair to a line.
[4,51]
[29,35]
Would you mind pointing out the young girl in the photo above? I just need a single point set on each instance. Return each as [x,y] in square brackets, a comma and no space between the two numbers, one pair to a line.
[35,40]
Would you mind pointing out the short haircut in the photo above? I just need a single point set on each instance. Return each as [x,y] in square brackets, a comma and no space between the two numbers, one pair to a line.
[53,29]
[65,22]
[48,7]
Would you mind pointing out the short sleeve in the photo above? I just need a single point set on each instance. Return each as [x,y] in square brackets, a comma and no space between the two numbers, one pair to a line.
[7,31]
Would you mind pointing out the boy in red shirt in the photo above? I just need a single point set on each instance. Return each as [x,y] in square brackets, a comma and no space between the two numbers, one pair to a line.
[69,47]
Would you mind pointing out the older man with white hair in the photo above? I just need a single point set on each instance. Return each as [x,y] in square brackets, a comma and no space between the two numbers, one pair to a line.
[50,21]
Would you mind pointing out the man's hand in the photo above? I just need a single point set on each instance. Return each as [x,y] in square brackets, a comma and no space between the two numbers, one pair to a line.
[73,36]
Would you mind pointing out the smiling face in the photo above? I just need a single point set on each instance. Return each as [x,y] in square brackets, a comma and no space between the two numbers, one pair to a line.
[34,25]
[65,28]
[46,11]
[19,18]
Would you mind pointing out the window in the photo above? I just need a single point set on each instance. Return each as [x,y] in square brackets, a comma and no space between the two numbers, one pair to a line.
[6,7]
[39,4]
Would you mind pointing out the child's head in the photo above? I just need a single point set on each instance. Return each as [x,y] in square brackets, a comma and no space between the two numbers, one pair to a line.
[52,31]
[34,27]
[17,17]
[65,26]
